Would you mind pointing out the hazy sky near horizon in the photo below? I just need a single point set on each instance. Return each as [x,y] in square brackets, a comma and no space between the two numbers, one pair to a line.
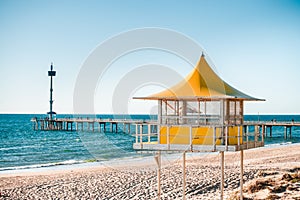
[254,45]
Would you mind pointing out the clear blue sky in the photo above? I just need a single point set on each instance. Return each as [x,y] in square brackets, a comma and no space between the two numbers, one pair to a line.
[255,46]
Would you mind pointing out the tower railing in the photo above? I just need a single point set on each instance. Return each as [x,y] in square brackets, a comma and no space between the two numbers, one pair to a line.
[219,139]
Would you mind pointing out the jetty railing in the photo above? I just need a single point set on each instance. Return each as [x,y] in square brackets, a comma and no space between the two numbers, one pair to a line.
[89,124]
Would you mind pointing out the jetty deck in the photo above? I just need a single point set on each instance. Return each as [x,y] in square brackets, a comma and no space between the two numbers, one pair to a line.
[266,127]
[90,124]
[136,126]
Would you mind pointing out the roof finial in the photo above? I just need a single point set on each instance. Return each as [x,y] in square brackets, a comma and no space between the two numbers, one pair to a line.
[202,55]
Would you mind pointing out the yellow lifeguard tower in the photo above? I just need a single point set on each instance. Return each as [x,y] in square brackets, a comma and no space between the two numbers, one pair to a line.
[200,113]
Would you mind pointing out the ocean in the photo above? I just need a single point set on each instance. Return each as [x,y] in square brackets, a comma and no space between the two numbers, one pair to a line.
[21,147]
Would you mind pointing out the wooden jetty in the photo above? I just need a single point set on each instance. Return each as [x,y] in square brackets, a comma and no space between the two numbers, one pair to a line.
[126,125]
[264,126]
[92,124]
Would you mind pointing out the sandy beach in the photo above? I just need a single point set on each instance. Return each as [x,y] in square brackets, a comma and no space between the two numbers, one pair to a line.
[276,170]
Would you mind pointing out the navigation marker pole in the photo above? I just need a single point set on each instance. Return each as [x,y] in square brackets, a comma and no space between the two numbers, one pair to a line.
[51,112]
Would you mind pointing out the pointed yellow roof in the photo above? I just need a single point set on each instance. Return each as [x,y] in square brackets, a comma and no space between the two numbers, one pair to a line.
[202,82]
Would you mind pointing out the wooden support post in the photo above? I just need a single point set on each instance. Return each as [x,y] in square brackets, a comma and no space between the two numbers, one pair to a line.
[159,120]
[247,136]
[290,132]
[239,136]
[136,134]
[184,176]
[141,133]
[242,175]
[222,176]
[149,132]
[168,137]
[285,132]
[270,131]
[214,138]
[136,128]
[205,117]
[191,138]
[256,129]
[263,133]
[226,137]
[199,112]
[158,162]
